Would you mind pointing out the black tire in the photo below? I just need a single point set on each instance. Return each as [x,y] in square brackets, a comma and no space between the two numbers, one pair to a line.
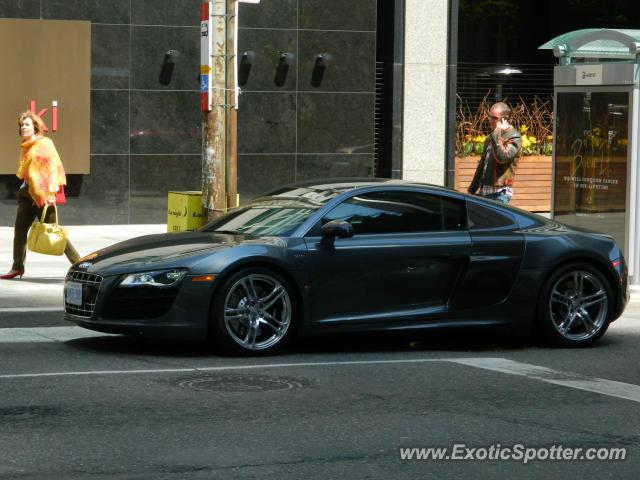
[253,313]
[575,306]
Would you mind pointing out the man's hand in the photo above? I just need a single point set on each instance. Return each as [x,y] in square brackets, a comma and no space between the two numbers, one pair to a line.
[502,125]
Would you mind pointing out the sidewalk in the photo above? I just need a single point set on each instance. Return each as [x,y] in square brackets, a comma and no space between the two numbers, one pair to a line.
[41,287]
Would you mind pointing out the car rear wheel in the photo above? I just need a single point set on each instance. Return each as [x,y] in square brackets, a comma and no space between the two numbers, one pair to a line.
[253,312]
[575,306]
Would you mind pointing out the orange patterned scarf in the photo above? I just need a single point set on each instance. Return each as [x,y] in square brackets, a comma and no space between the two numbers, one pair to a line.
[41,168]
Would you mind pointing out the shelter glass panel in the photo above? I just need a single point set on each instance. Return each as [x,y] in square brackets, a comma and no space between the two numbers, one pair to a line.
[591,161]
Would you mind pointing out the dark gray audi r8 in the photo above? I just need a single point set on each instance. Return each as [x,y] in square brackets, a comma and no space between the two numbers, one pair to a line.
[354,255]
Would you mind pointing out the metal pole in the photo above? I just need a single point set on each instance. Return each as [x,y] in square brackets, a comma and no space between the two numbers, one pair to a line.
[214,121]
[231,163]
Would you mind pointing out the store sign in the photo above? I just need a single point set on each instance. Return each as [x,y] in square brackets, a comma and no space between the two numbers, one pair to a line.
[42,113]
[589,75]
[47,65]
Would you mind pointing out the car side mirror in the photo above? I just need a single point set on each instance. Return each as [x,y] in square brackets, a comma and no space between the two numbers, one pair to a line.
[333,229]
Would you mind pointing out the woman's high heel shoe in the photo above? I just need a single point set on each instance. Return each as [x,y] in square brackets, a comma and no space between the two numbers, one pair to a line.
[12,274]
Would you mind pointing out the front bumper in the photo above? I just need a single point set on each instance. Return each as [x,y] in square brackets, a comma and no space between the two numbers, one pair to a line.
[104,309]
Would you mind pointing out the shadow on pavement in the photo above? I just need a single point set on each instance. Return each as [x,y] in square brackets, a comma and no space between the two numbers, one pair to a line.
[469,340]
[349,343]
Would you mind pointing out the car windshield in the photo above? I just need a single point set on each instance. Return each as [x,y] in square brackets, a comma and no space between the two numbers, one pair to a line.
[279,212]
[273,217]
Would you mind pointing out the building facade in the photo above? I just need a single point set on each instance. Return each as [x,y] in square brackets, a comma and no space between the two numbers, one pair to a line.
[146,123]
[367,88]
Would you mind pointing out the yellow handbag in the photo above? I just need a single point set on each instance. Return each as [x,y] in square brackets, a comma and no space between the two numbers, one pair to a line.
[47,238]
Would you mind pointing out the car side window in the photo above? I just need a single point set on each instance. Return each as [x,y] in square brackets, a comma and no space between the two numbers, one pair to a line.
[481,217]
[399,212]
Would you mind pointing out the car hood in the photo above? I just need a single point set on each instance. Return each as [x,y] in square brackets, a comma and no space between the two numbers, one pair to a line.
[166,250]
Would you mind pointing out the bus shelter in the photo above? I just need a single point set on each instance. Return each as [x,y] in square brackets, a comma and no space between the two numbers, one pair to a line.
[596,177]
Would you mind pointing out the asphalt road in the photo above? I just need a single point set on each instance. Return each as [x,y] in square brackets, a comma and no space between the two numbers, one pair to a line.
[76,406]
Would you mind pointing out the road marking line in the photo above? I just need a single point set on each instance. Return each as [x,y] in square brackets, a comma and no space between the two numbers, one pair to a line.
[46,334]
[31,309]
[601,386]
[611,388]
[626,391]
[223,369]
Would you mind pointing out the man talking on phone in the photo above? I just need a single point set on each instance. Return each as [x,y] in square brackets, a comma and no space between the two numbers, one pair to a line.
[494,175]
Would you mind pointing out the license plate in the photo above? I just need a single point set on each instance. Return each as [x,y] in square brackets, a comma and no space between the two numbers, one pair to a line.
[73,293]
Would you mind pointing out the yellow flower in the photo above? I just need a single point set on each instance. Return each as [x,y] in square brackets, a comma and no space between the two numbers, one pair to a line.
[480,138]
[524,129]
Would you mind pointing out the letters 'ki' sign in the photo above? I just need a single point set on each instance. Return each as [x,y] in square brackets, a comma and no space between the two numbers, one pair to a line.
[42,114]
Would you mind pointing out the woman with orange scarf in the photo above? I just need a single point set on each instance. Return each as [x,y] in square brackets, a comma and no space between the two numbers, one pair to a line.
[42,173]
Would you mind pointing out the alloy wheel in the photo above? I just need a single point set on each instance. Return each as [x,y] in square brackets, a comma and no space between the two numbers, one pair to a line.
[578,305]
[257,311]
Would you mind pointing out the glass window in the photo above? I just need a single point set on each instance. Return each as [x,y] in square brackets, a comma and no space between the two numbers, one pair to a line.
[481,217]
[272,217]
[399,212]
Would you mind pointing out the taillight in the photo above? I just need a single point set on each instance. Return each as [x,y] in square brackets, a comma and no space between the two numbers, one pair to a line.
[620,266]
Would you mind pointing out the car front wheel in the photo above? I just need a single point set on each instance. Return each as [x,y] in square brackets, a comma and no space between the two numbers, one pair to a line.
[575,306]
[253,312]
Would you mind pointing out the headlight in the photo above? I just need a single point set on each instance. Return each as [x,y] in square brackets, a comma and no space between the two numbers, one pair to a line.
[160,278]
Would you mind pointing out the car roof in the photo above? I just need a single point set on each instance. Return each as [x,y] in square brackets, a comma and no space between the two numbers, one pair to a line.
[359,182]
[340,185]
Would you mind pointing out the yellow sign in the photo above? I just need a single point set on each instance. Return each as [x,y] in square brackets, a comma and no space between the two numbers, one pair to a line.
[185,211]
